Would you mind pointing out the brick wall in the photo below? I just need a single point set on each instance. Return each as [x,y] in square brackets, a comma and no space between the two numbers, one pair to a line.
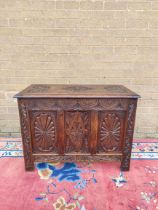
[105,42]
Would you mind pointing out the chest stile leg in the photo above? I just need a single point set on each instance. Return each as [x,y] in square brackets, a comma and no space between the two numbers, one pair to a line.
[26,136]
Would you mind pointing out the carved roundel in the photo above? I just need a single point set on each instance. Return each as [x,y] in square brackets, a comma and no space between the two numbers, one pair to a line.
[88,103]
[39,88]
[77,88]
[44,131]
[108,103]
[68,103]
[110,132]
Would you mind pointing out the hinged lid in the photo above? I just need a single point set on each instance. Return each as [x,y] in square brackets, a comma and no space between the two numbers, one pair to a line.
[76,91]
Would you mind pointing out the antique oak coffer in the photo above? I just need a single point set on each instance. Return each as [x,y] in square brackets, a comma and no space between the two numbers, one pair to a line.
[77,123]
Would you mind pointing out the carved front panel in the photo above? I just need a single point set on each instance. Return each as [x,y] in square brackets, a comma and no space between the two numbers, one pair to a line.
[77,129]
[44,131]
[111,127]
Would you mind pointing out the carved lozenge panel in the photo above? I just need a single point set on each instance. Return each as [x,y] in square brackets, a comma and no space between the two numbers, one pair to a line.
[77,130]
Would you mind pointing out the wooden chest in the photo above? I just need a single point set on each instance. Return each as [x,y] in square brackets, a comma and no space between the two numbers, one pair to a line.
[77,123]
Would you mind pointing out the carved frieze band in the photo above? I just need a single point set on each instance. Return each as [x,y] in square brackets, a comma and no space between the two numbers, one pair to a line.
[129,134]
[26,137]
[78,104]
